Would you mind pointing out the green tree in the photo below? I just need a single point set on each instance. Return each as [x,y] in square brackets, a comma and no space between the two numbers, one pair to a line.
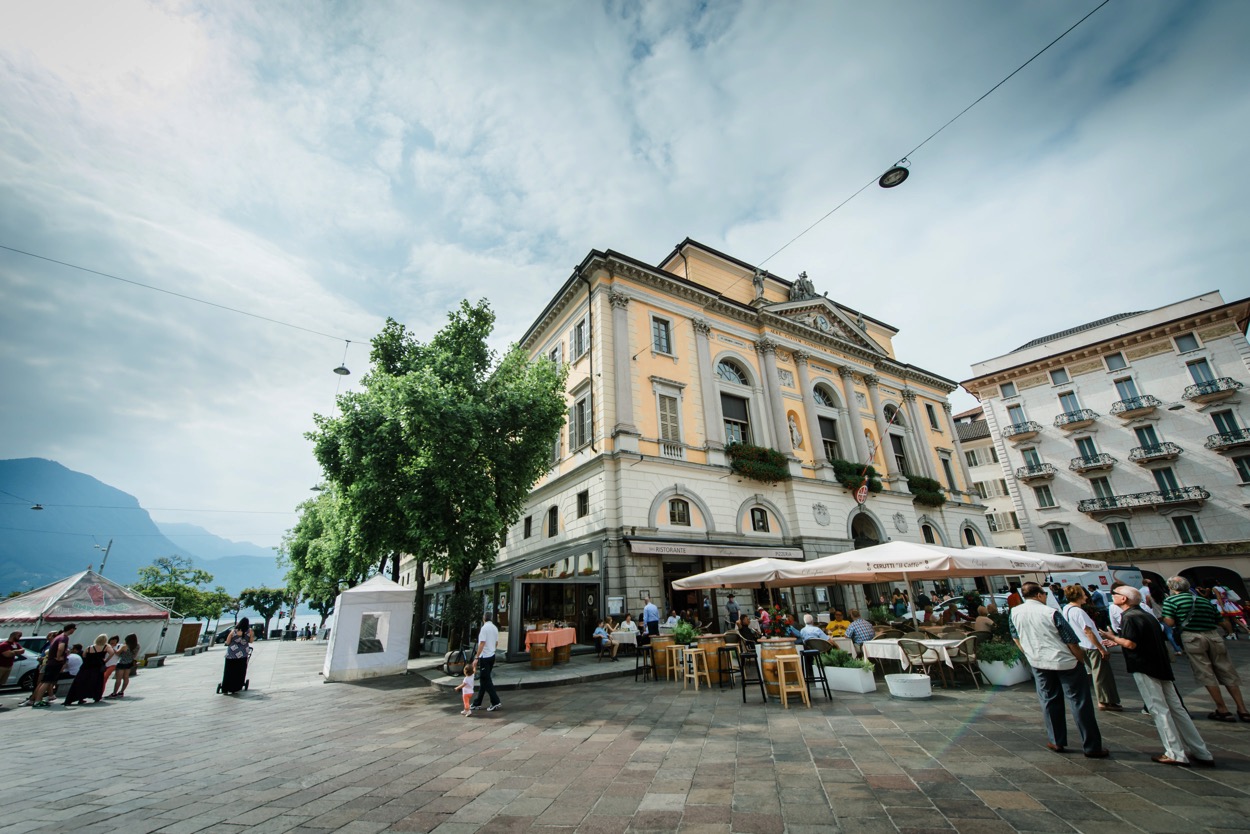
[176,578]
[264,601]
[215,603]
[436,453]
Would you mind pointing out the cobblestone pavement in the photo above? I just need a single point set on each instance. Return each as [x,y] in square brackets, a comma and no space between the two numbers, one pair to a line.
[295,755]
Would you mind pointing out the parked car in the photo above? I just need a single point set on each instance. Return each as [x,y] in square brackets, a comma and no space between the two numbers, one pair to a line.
[958,602]
[25,670]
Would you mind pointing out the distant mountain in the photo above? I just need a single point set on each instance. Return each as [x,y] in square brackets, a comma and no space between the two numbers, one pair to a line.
[40,547]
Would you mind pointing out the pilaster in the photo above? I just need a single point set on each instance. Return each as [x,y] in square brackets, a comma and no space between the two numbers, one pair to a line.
[767,349]
[624,431]
[858,447]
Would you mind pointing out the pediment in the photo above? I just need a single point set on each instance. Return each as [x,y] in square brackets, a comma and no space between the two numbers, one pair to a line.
[825,318]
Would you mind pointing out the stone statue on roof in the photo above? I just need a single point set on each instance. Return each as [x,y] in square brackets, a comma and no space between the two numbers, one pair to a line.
[802,289]
[758,281]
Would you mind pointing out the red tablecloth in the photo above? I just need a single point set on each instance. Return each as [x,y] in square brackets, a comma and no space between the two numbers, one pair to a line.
[554,639]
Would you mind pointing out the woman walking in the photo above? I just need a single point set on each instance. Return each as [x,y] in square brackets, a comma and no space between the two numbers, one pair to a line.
[126,654]
[238,643]
[110,663]
[89,682]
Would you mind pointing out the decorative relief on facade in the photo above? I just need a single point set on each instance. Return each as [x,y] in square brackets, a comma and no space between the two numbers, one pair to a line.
[1032,381]
[1218,331]
[821,513]
[701,326]
[800,358]
[861,399]
[1162,346]
[786,377]
[909,395]
[782,356]
[617,299]
[802,289]
[871,380]
[720,337]
[946,406]
[765,345]
[1086,367]
[900,522]
[796,436]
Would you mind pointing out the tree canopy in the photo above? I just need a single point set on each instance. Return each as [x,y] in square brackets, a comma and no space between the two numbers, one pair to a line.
[265,601]
[176,578]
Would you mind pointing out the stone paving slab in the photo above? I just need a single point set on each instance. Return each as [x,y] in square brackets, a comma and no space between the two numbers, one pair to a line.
[293,754]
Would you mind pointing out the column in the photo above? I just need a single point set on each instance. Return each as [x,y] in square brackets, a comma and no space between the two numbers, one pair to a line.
[622,370]
[712,426]
[883,434]
[809,408]
[959,449]
[767,349]
[858,447]
[918,435]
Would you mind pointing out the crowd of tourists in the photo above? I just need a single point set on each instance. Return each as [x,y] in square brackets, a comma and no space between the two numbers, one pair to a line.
[86,670]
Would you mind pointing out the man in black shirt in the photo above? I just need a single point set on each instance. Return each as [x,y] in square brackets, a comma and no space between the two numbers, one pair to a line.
[1148,661]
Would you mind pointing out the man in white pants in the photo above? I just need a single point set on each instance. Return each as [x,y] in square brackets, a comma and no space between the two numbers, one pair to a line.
[1146,656]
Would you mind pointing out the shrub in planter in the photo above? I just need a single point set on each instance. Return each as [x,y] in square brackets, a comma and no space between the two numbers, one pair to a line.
[994,652]
[1002,664]
[759,463]
[879,615]
[851,475]
[848,674]
[925,491]
[685,633]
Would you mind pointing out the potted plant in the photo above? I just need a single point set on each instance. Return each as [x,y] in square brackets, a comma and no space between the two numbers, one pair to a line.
[847,673]
[1002,663]
[686,634]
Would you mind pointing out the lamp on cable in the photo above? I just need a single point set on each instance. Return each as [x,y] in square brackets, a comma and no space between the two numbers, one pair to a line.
[896,175]
[341,370]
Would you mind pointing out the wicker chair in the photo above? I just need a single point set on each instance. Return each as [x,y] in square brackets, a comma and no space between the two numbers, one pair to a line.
[921,657]
[965,655]
[889,634]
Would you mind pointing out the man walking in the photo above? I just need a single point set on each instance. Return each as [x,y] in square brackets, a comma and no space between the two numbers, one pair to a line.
[487,640]
[651,618]
[1146,658]
[1199,622]
[1058,662]
[11,651]
[53,664]
[731,613]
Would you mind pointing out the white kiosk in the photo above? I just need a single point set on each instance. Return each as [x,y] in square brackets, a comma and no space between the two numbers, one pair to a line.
[372,629]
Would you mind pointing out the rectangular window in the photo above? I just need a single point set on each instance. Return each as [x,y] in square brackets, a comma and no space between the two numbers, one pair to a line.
[829,438]
[1059,377]
[581,423]
[1085,447]
[670,427]
[577,340]
[932,412]
[1007,389]
[1002,487]
[1146,436]
[948,471]
[1120,538]
[1031,457]
[1068,402]
[759,519]
[1115,361]
[737,424]
[1059,540]
[1015,520]
[661,335]
[679,513]
[557,353]
[1186,342]
[900,455]
[1165,479]
[991,519]
[971,457]
[1243,468]
[1126,388]
[583,503]
[1200,371]
[1187,529]
[529,526]
[553,522]
[981,491]
[1102,488]
[1225,422]
[993,454]
[556,448]
[1044,498]
[1015,415]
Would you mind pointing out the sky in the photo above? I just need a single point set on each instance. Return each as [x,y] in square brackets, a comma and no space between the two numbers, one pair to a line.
[329,165]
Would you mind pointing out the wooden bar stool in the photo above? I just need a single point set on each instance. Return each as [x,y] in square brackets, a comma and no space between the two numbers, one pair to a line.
[790,679]
[643,663]
[676,662]
[696,667]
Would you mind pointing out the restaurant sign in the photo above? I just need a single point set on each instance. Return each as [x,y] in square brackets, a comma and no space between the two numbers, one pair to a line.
[705,549]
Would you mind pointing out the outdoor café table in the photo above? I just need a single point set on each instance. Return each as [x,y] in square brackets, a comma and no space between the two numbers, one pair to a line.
[846,644]
[624,638]
[887,649]
[555,638]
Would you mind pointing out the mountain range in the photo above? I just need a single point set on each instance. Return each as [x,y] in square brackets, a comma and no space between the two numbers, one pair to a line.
[79,511]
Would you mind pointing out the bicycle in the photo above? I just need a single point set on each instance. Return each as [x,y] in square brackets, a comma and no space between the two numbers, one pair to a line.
[455,661]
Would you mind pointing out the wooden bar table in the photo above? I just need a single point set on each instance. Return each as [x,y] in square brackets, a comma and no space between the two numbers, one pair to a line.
[769,648]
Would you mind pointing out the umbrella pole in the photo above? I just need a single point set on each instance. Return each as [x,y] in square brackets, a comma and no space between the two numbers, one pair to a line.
[912,597]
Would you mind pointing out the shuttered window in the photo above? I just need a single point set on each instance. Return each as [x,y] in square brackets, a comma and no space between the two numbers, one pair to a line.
[670,427]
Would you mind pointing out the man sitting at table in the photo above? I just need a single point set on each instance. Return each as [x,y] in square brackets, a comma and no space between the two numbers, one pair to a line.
[603,639]
[984,622]
[810,629]
[748,634]
[837,624]
[860,630]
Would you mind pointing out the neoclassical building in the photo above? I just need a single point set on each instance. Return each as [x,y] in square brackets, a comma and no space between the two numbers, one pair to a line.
[1126,438]
[668,366]
[989,481]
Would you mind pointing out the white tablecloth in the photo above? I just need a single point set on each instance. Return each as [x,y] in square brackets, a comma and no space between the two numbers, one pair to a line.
[889,650]
[627,638]
[846,644]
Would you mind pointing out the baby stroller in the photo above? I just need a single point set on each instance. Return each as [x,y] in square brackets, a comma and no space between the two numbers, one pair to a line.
[234,677]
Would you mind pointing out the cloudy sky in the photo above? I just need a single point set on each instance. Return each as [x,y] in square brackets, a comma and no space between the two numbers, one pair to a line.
[328,165]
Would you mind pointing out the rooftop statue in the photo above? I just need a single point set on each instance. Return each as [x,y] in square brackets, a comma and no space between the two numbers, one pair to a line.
[802,289]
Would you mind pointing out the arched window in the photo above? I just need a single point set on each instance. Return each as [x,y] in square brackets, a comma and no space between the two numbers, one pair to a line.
[731,372]
[970,537]
[823,397]
[927,531]
[679,512]
[892,416]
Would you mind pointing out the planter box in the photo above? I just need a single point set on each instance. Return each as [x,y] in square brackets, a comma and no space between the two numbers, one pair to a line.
[851,680]
[1000,674]
[910,686]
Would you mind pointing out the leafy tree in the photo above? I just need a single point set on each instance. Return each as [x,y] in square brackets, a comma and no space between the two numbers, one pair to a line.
[264,601]
[321,598]
[318,550]
[214,603]
[175,577]
[436,453]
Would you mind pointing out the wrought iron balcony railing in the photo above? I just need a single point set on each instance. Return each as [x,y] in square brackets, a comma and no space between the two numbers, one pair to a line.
[1092,462]
[1228,439]
[1035,471]
[1143,500]
[1021,430]
[1162,451]
[1070,419]
[1135,405]
[1212,389]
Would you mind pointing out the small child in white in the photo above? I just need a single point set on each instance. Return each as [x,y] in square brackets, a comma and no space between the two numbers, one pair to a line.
[466,687]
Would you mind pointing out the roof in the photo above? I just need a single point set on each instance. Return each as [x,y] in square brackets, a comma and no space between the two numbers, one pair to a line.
[976,430]
[1072,331]
[977,412]
[83,597]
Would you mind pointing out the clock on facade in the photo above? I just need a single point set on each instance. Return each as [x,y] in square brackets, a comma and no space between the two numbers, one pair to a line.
[823,323]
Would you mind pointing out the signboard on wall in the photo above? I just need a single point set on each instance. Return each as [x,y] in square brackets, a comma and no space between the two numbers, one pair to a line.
[616,606]
[705,549]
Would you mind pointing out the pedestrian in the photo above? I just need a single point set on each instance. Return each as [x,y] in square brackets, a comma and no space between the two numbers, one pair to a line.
[89,682]
[731,612]
[1199,625]
[11,651]
[53,664]
[110,663]
[651,618]
[127,653]
[1055,654]
[484,659]
[234,670]
[1098,608]
[466,687]
[1146,658]
[1014,598]
[1097,658]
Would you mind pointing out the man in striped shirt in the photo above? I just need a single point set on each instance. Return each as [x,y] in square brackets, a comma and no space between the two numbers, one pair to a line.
[1199,622]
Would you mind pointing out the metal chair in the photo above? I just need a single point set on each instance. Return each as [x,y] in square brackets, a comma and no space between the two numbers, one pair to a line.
[919,655]
[889,634]
[749,660]
[965,655]
[725,655]
[814,666]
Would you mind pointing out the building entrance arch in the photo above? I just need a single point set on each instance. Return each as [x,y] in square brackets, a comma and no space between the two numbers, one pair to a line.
[1205,576]
[865,532]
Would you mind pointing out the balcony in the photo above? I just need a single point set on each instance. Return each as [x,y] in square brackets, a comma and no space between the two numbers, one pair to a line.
[1022,431]
[1036,472]
[1224,441]
[1144,500]
[1150,454]
[1079,419]
[1212,390]
[1135,406]
[1093,463]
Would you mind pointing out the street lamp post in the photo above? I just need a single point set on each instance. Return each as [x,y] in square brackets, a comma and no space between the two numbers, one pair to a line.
[106,555]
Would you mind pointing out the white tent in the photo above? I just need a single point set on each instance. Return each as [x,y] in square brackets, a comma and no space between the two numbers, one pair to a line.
[97,606]
[373,625]
[742,575]
[908,561]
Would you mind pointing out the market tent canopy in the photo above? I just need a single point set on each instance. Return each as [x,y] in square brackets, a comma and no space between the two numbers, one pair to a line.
[372,629]
[85,596]
[742,575]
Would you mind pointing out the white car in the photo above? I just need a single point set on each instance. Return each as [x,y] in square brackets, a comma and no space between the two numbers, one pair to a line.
[25,671]
[958,602]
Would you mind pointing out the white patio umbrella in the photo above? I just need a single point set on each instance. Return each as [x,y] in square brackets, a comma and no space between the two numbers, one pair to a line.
[750,574]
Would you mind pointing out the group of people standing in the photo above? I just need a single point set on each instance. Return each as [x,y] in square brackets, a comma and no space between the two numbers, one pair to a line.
[89,669]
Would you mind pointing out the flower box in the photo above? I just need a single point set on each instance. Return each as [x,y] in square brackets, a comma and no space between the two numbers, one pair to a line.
[847,679]
[1000,674]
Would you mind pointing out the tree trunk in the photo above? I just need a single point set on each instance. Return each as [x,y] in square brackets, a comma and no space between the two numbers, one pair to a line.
[416,643]
[395,557]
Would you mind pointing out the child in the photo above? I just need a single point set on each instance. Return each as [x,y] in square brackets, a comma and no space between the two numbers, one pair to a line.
[466,687]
